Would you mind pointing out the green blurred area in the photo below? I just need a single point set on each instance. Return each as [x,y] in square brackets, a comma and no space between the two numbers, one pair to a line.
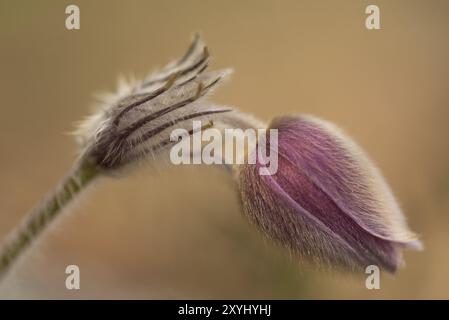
[180,234]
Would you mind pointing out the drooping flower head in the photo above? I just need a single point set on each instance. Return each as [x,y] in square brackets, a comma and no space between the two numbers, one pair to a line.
[323,199]
[327,202]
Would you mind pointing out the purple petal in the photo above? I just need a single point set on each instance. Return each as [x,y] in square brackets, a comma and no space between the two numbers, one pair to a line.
[327,200]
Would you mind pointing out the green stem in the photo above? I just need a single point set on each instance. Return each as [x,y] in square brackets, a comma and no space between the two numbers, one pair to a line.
[21,238]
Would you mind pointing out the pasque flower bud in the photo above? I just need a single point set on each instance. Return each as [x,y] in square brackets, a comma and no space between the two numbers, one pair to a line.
[327,201]
[135,123]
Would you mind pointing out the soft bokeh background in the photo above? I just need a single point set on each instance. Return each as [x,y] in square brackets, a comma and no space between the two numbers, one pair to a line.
[181,234]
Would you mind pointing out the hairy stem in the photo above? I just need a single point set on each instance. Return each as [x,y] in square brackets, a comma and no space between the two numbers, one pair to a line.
[36,222]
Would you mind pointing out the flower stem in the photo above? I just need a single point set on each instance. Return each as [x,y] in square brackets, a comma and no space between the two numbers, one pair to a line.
[36,222]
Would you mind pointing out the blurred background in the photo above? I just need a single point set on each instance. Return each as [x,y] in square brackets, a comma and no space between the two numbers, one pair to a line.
[181,234]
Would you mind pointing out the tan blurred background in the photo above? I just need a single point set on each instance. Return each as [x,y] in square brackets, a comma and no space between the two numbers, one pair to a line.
[181,234]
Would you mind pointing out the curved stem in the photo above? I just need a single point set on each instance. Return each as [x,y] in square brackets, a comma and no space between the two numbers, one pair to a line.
[238,119]
[36,222]
[243,121]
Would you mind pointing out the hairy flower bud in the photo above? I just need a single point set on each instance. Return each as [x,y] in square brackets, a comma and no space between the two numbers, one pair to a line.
[327,201]
[136,122]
